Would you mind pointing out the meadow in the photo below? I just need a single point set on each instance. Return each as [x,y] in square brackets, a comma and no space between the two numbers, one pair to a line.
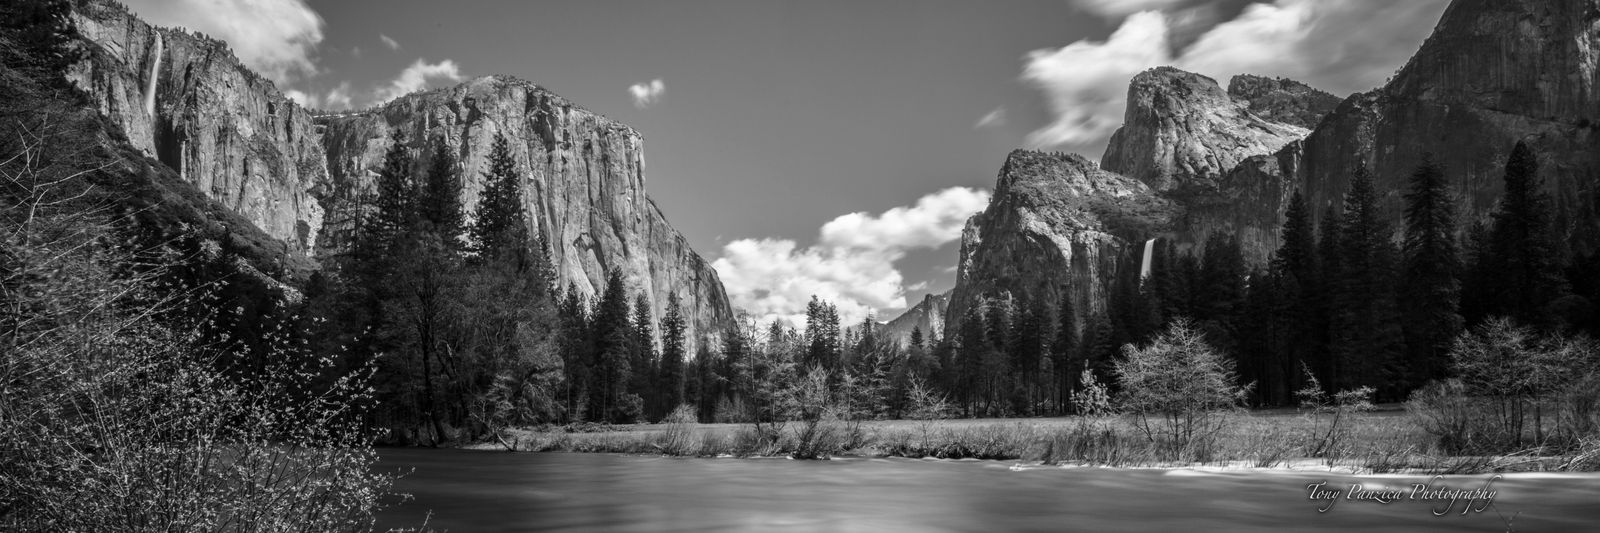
[1385,440]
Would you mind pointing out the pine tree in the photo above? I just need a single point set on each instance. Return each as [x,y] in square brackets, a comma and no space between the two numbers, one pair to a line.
[439,200]
[501,225]
[1297,255]
[1430,286]
[972,348]
[611,334]
[1525,247]
[1064,351]
[577,354]
[395,211]
[643,359]
[1324,291]
[916,338]
[1366,334]
[1294,271]
[672,351]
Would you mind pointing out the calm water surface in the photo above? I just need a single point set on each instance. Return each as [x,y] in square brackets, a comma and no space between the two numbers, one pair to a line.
[471,491]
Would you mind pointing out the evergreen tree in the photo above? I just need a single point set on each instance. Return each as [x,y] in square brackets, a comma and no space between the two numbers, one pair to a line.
[1529,272]
[1064,351]
[439,200]
[578,354]
[1294,272]
[971,349]
[1366,336]
[611,334]
[916,338]
[394,208]
[1430,286]
[1324,291]
[501,224]
[643,359]
[672,352]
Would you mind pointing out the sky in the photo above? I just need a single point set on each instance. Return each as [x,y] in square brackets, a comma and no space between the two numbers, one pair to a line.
[833,147]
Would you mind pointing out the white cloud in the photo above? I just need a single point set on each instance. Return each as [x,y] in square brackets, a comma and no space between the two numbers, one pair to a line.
[995,118]
[1120,8]
[852,264]
[416,77]
[1341,46]
[277,38]
[389,42]
[334,100]
[645,94]
[1085,83]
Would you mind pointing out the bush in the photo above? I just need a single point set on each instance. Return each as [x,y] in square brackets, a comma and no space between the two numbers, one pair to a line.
[1443,409]
[682,435]
[1178,388]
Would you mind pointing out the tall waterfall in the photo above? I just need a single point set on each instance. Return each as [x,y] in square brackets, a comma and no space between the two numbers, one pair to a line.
[1144,266]
[150,85]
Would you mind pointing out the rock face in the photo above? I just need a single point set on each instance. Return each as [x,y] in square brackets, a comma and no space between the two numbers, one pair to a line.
[927,315]
[1282,100]
[1057,226]
[186,100]
[584,188]
[240,143]
[1492,73]
[1182,132]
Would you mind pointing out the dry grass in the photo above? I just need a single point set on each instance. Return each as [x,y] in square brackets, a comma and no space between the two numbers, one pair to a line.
[1376,442]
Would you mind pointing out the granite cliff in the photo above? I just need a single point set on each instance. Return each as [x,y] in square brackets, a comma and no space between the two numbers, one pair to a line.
[585,188]
[236,142]
[187,101]
[1058,225]
[927,315]
[1491,74]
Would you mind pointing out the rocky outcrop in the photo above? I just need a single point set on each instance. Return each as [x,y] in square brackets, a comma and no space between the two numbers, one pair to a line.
[1056,226]
[927,316]
[237,142]
[1182,132]
[1248,202]
[1493,73]
[584,188]
[186,100]
[1282,100]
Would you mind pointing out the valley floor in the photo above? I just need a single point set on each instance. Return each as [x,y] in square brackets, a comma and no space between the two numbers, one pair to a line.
[1382,441]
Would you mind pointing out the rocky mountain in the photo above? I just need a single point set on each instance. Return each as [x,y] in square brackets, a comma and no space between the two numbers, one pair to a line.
[1219,155]
[1056,226]
[237,141]
[585,185]
[1282,100]
[1181,132]
[927,315]
[186,100]
[1491,74]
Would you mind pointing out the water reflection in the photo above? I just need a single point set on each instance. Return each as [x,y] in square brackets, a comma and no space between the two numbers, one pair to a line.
[470,491]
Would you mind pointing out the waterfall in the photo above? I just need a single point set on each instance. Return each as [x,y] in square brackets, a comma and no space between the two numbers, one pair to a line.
[1144,266]
[150,85]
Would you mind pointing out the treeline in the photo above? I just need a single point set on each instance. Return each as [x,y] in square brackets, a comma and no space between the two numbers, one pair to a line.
[1343,300]
[1340,302]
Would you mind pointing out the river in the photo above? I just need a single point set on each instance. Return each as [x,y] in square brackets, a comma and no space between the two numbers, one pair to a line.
[473,491]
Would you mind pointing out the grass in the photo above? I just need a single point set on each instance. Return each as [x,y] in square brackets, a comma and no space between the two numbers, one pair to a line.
[1383,441]
[1377,442]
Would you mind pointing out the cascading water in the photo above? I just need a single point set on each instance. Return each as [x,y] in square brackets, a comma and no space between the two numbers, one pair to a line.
[1144,265]
[150,84]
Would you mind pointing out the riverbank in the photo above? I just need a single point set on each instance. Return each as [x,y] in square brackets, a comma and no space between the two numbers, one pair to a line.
[1384,441]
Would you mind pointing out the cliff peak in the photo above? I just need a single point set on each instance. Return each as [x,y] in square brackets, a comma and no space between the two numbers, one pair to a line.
[1282,100]
[1181,130]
